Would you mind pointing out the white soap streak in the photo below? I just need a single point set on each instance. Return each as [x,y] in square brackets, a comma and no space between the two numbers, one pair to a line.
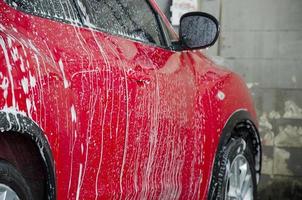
[126,130]
[73,114]
[2,28]
[30,45]
[32,80]
[24,83]
[137,164]
[82,149]
[84,72]
[10,44]
[28,106]
[73,143]
[9,70]
[65,81]
[14,54]
[72,147]
[22,67]
[40,83]
[79,181]
[4,86]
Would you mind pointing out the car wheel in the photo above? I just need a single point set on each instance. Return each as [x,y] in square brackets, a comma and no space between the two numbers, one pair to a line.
[236,175]
[12,184]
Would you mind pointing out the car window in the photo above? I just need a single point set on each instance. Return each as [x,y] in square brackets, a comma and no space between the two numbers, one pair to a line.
[63,10]
[130,18]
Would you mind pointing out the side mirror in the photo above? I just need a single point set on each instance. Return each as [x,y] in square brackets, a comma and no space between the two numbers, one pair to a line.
[198,30]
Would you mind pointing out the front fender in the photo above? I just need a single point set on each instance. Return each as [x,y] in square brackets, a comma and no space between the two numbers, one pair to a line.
[231,105]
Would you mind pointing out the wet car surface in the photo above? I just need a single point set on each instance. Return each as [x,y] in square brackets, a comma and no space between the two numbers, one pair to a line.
[114,110]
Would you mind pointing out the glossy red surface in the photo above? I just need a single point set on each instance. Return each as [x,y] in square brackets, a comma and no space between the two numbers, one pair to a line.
[124,119]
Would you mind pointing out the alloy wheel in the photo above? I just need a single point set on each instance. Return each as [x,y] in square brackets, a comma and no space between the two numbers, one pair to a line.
[239,185]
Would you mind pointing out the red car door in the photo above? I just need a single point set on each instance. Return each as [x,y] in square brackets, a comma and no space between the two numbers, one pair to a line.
[152,155]
[160,151]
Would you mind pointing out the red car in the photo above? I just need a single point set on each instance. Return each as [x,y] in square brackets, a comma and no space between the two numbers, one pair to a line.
[102,100]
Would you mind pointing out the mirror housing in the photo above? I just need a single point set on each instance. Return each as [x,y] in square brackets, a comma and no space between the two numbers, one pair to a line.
[198,30]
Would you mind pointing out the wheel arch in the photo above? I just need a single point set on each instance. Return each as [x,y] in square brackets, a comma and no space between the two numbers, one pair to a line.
[240,119]
[17,123]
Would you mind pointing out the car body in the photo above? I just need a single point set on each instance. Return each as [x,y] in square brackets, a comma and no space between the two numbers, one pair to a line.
[110,115]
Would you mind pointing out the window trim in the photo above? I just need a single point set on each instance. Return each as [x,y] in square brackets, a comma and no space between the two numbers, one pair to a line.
[164,30]
[158,22]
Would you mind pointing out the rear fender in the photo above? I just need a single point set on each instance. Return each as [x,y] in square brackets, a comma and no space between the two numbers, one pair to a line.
[17,123]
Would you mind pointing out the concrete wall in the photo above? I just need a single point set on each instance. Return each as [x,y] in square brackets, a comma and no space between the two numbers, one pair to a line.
[262,41]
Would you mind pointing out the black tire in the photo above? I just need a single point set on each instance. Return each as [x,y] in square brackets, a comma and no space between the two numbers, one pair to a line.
[12,178]
[234,148]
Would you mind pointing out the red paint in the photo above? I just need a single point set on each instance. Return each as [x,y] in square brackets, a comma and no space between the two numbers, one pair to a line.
[148,120]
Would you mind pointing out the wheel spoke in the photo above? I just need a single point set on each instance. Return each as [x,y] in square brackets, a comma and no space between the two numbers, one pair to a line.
[247,187]
[249,194]
[3,195]
[240,182]
[242,176]
[231,193]
[236,174]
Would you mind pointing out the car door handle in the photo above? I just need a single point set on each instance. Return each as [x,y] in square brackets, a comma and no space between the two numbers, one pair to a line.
[139,75]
